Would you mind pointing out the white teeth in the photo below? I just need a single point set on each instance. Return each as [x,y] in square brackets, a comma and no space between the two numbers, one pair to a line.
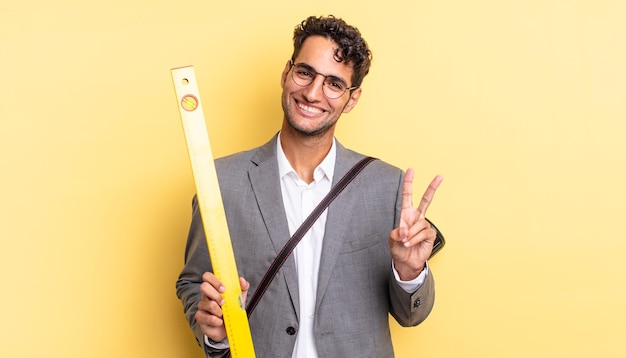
[310,109]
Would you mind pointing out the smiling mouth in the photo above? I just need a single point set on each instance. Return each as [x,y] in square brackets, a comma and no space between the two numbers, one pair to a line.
[311,110]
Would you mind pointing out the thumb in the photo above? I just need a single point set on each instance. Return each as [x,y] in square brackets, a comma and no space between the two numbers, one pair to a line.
[245,286]
[399,234]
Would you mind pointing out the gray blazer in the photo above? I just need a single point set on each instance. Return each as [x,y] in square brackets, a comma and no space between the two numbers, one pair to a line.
[356,287]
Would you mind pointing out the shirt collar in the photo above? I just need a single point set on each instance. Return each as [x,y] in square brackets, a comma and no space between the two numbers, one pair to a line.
[325,169]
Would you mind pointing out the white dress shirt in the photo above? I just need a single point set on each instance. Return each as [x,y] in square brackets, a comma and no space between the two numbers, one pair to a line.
[300,199]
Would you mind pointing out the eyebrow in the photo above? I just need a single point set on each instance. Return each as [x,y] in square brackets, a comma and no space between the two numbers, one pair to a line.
[310,68]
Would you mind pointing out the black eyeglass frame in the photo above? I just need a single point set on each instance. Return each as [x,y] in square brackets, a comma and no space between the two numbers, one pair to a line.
[314,76]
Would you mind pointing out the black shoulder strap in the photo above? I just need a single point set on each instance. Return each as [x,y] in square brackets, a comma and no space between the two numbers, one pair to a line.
[306,225]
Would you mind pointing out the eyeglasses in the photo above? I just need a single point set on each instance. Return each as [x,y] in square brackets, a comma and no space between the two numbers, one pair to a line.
[333,87]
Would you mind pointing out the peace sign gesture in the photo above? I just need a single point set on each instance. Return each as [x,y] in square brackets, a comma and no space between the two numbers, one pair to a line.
[411,243]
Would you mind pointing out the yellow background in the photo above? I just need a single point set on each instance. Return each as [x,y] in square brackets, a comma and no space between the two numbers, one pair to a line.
[521,105]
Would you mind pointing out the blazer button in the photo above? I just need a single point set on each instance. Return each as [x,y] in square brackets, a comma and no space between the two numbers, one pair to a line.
[290,331]
[417,303]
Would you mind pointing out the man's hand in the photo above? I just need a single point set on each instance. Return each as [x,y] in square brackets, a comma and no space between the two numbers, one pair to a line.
[209,315]
[412,241]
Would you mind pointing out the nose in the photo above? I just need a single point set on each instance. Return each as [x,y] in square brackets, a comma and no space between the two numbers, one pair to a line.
[315,91]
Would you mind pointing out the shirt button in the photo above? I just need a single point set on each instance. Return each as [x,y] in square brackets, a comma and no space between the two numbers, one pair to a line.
[290,331]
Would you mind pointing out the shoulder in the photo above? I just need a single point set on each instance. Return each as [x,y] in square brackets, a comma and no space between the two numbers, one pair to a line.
[376,169]
[248,158]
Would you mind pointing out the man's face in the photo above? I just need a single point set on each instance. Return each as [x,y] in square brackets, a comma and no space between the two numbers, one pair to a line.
[307,110]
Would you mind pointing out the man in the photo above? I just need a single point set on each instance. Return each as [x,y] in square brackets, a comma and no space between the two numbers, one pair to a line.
[364,258]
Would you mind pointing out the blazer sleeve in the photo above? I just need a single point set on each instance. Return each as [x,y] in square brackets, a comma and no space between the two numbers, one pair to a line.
[197,262]
[411,309]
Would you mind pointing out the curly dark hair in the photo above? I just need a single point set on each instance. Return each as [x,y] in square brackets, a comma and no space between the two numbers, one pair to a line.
[352,47]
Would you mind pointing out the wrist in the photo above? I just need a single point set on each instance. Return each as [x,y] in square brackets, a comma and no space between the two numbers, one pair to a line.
[223,344]
[408,272]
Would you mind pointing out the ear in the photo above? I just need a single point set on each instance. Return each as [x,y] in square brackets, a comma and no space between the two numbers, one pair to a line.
[283,77]
[354,99]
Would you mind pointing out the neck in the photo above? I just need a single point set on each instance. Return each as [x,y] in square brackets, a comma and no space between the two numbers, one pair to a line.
[305,153]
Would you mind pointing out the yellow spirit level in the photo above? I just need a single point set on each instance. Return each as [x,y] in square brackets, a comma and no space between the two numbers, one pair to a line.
[212,211]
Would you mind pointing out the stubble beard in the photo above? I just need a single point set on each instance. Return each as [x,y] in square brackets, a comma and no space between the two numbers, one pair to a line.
[311,133]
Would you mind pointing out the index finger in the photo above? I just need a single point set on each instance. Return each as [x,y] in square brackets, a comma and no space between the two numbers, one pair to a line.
[428,196]
[407,189]
[211,279]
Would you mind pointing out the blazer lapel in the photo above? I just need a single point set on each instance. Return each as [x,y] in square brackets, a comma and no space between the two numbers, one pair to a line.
[266,187]
[338,213]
